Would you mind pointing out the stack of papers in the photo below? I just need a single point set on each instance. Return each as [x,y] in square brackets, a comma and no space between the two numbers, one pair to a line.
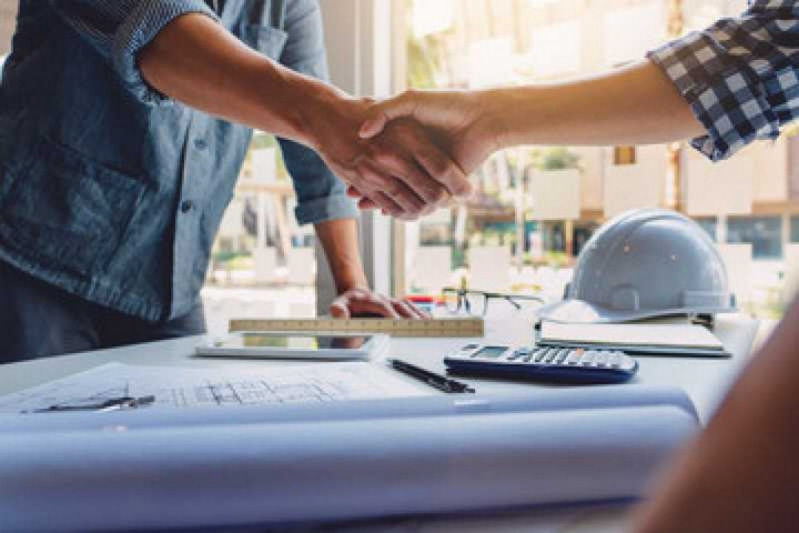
[637,338]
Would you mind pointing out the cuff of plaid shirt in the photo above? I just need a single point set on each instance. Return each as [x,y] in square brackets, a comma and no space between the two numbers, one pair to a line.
[731,102]
[139,28]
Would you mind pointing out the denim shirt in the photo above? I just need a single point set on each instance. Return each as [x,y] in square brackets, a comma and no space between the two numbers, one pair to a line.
[108,189]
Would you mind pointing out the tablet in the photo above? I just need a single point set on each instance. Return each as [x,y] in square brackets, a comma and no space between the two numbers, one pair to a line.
[333,347]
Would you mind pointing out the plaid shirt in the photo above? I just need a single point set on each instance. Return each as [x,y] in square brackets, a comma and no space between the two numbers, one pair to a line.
[741,75]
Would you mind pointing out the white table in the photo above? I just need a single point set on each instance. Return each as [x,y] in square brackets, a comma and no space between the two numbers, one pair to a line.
[705,380]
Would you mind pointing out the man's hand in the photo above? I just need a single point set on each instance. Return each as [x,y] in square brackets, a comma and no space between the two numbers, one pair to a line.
[403,171]
[460,123]
[364,302]
[339,238]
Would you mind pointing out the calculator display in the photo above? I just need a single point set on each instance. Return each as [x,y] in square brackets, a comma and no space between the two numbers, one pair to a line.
[491,352]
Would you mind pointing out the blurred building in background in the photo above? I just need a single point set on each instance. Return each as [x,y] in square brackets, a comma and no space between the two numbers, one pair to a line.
[537,206]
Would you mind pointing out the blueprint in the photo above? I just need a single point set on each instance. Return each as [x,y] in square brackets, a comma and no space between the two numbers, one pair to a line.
[175,387]
[298,454]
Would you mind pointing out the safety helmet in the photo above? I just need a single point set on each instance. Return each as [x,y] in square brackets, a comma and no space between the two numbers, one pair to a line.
[643,264]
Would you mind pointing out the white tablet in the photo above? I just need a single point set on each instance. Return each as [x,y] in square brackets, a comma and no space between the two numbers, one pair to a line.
[333,347]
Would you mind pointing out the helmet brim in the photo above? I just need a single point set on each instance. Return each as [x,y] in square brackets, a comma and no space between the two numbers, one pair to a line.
[581,312]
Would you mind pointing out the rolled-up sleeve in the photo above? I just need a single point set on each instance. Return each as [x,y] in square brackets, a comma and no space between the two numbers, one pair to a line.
[740,76]
[120,29]
[321,196]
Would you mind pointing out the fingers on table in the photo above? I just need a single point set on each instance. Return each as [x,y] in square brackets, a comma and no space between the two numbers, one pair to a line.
[406,309]
[339,309]
[360,302]
[363,301]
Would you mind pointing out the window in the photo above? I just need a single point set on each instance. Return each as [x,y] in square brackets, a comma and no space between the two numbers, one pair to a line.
[262,263]
[794,229]
[764,233]
[709,224]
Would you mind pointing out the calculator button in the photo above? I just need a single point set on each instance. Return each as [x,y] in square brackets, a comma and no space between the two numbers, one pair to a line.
[523,354]
[562,355]
[539,354]
[615,360]
[574,357]
[551,354]
[588,358]
[601,359]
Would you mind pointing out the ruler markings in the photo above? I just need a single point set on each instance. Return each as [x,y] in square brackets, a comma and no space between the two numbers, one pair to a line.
[466,327]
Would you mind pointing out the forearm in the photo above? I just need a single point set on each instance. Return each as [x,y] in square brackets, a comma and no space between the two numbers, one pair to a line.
[633,105]
[197,62]
[339,239]
[741,475]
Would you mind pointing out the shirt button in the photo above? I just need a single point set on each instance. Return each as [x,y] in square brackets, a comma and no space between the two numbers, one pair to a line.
[187,206]
[200,144]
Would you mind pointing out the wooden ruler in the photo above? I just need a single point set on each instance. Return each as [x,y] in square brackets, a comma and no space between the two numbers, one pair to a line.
[440,327]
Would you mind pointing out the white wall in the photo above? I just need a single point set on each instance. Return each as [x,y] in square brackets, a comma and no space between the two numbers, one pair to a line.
[770,162]
[723,188]
[633,186]
[592,167]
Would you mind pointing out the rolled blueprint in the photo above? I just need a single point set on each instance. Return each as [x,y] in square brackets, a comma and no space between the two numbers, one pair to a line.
[554,399]
[310,471]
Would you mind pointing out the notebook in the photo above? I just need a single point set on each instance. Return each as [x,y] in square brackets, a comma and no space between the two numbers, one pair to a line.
[639,338]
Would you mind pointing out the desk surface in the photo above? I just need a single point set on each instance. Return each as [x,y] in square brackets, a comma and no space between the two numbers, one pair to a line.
[705,380]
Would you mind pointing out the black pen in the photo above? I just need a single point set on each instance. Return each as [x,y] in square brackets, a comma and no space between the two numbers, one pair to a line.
[442,383]
[113,404]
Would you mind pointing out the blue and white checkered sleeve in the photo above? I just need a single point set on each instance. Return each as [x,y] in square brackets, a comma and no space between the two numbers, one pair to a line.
[740,76]
[120,29]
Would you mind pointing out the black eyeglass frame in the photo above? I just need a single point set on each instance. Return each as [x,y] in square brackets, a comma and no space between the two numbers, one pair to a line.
[463,302]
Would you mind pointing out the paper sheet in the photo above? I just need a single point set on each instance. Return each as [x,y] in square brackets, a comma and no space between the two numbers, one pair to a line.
[176,387]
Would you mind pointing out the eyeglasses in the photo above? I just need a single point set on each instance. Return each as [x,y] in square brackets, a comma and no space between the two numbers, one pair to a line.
[475,303]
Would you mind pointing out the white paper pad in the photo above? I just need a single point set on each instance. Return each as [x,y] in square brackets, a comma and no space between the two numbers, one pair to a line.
[665,335]
[187,387]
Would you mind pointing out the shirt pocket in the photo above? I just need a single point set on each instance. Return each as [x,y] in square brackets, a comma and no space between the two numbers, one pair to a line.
[63,210]
[268,40]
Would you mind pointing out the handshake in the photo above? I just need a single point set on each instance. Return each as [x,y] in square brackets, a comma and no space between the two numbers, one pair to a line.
[408,155]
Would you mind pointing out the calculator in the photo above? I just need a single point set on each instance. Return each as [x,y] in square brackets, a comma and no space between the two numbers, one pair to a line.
[543,363]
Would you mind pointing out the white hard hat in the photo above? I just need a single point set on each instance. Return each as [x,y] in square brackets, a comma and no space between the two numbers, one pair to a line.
[643,264]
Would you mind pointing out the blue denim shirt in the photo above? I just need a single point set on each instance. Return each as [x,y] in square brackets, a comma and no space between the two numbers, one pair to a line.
[108,189]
